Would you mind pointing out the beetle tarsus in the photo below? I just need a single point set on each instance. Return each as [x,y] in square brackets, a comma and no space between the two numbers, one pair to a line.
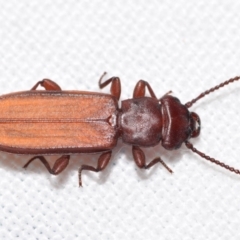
[158,160]
[167,93]
[165,165]
[103,161]
[85,167]
[102,76]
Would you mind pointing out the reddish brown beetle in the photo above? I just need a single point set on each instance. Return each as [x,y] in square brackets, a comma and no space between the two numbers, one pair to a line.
[53,121]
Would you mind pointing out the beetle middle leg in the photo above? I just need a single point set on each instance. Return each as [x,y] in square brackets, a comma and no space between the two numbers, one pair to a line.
[115,85]
[139,158]
[59,165]
[103,161]
[47,84]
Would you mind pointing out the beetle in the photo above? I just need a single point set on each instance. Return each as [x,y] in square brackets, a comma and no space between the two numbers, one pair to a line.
[53,121]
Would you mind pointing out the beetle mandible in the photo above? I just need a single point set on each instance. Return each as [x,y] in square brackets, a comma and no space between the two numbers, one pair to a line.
[53,121]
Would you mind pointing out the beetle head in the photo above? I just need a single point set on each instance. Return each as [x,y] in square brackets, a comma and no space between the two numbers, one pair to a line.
[195,124]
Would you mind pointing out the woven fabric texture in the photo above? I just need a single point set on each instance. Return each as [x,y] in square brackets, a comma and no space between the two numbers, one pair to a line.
[183,46]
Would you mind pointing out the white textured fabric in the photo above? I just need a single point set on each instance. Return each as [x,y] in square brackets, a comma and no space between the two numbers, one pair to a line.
[183,46]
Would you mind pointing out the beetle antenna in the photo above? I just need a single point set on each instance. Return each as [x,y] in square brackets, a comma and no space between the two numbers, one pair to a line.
[213,160]
[231,80]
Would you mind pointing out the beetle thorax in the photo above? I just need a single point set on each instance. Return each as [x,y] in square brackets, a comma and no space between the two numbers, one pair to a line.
[141,121]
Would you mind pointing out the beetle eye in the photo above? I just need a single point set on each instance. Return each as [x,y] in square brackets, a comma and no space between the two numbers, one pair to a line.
[195,124]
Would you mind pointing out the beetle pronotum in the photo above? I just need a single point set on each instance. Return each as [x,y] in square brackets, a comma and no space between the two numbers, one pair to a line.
[53,121]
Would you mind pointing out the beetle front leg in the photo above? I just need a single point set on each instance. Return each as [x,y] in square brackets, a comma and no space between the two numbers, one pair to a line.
[48,85]
[139,158]
[115,85]
[59,165]
[140,89]
[103,161]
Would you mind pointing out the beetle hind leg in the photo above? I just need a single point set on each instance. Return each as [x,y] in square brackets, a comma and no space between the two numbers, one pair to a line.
[103,161]
[139,158]
[59,165]
[48,84]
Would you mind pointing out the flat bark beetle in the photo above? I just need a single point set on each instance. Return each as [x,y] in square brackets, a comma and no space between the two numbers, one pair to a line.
[53,121]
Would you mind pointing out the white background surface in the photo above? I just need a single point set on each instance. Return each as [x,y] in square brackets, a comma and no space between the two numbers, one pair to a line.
[186,47]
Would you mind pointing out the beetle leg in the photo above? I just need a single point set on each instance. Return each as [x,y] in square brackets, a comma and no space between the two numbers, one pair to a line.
[139,158]
[47,84]
[115,85]
[167,93]
[103,161]
[60,164]
[139,90]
